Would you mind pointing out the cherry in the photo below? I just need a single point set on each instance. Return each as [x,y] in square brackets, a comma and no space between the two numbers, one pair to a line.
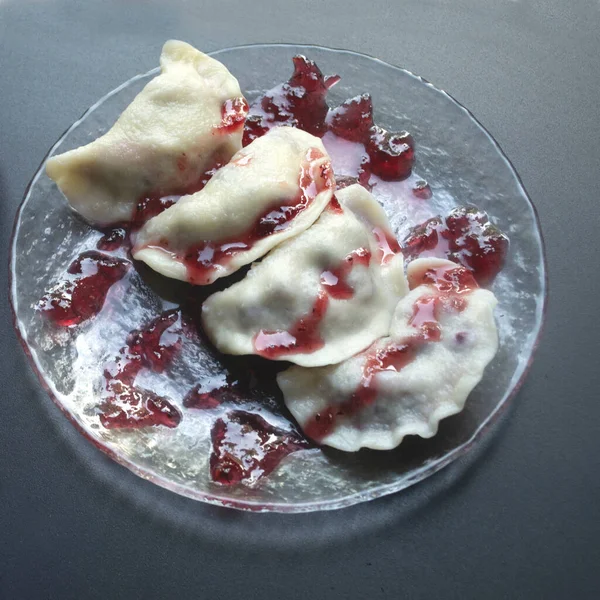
[353,119]
[392,154]
[466,236]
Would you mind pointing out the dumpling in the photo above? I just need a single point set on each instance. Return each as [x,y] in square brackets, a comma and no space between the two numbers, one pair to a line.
[320,297]
[271,190]
[177,128]
[442,337]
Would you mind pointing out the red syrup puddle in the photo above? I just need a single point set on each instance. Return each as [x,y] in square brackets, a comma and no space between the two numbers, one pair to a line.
[245,447]
[451,284]
[153,347]
[81,297]
[304,336]
[203,260]
[466,236]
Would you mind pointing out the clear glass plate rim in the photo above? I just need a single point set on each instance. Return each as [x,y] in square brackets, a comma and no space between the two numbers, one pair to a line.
[355,498]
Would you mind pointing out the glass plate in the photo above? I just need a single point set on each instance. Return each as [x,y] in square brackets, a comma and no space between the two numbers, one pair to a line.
[463,165]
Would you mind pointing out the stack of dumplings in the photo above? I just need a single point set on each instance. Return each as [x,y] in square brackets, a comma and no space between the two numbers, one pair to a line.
[377,353]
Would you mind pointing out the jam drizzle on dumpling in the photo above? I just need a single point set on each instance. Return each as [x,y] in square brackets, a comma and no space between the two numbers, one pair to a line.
[451,285]
[304,335]
[203,259]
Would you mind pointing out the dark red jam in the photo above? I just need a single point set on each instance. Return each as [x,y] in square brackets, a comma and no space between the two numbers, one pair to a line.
[422,190]
[335,206]
[448,280]
[233,115]
[203,260]
[391,155]
[301,102]
[304,336]
[153,347]
[245,448]
[81,296]
[451,284]
[206,397]
[352,120]
[466,236]
[150,206]
[112,240]
[132,408]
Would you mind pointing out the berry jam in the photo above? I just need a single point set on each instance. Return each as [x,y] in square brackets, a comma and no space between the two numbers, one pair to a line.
[304,336]
[205,399]
[466,236]
[422,190]
[81,297]
[391,155]
[112,240]
[150,206]
[202,260]
[301,102]
[334,206]
[130,407]
[353,119]
[451,284]
[245,448]
[447,280]
[153,347]
[388,245]
[233,115]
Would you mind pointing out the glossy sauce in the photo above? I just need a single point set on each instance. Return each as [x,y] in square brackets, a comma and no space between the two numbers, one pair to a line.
[233,115]
[154,346]
[204,259]
[450,285]
[466,236]
[304,336]
[81,296]
[245,447]
[302,103]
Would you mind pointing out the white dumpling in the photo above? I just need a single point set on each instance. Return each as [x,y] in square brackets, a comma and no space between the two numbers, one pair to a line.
[320,297]
[271,190]
[183,122]
[442,337]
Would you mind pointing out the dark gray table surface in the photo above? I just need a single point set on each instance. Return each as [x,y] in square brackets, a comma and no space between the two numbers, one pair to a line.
[520,518]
